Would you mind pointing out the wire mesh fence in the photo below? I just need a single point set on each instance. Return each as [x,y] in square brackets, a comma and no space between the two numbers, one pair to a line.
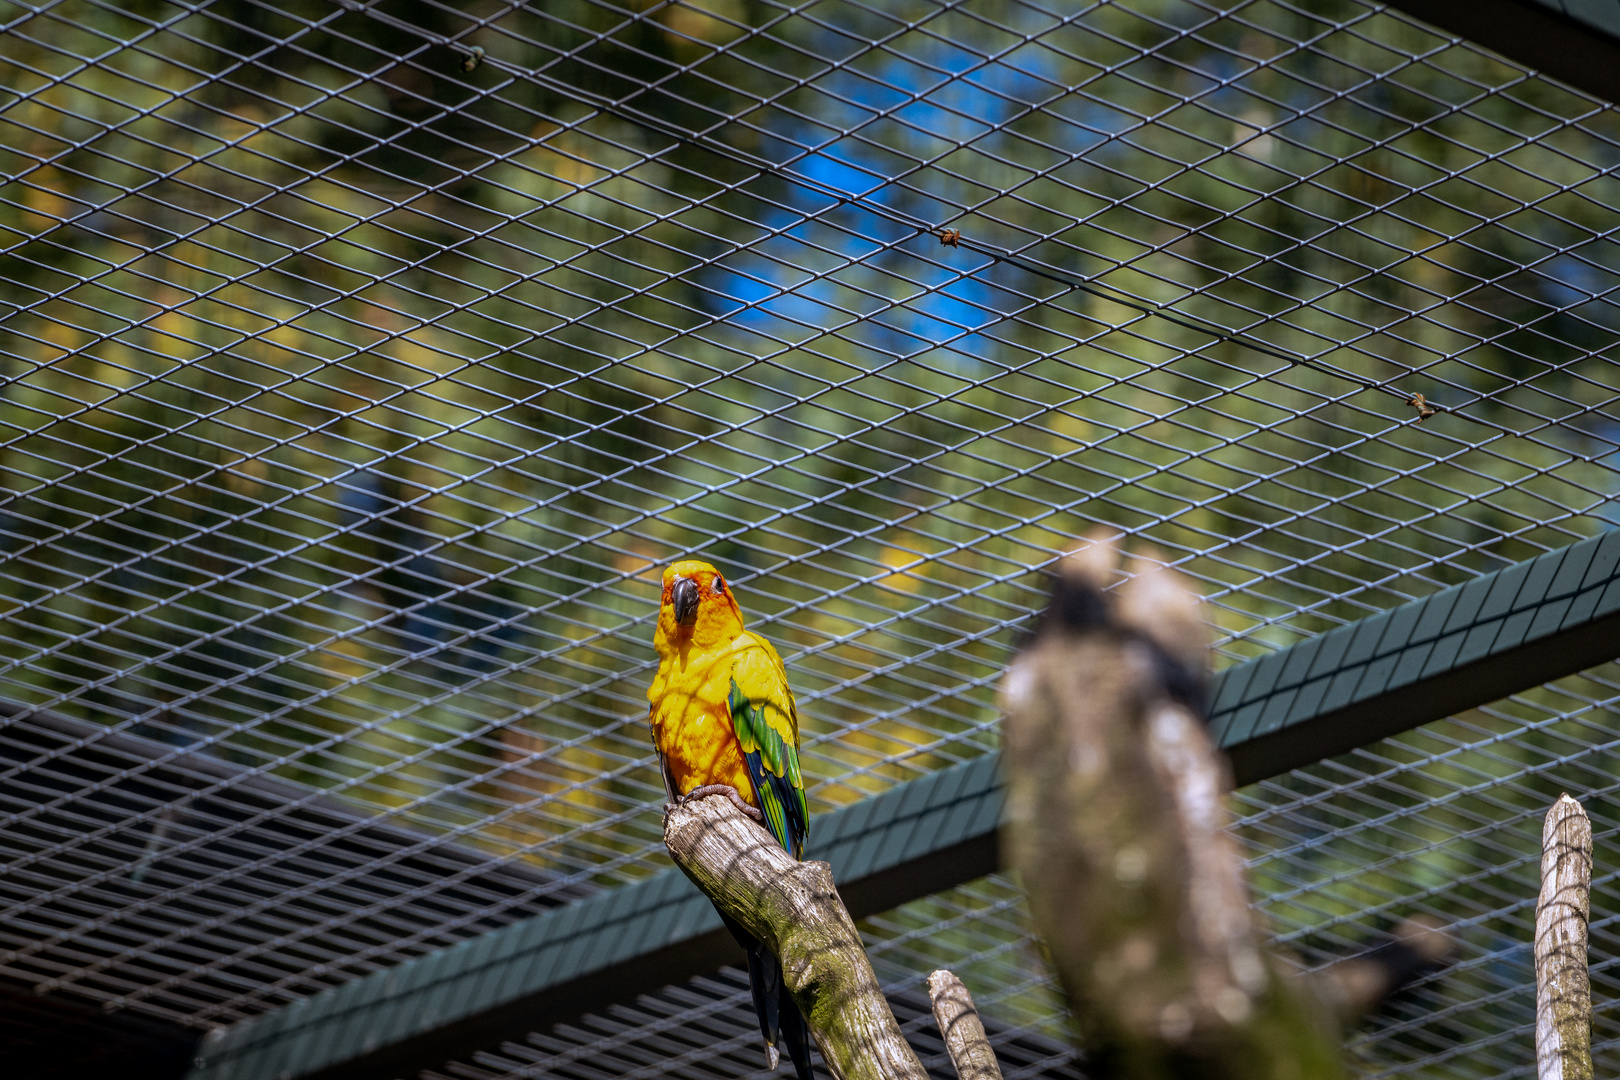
[707,1028]
[1444,821]
[365,361]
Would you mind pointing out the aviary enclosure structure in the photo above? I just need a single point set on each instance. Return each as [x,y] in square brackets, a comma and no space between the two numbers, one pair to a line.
[364,362]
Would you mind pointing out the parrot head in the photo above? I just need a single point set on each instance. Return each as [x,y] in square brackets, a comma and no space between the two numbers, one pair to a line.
[698,607]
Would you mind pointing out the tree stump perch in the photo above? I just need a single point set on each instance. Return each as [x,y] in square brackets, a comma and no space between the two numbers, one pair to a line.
[1563,989]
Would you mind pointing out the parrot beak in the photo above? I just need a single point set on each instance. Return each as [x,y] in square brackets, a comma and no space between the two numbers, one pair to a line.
[684,597]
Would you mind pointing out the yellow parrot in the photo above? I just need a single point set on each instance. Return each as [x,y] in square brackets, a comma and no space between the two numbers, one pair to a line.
[722,716]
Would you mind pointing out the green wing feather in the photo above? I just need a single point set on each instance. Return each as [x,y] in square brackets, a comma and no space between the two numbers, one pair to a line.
[766,723]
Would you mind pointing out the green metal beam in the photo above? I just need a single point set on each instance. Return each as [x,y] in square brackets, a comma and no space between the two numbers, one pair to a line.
[1465,646]
[917,838]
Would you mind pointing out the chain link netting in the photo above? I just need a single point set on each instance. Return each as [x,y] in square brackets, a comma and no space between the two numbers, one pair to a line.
[364,362]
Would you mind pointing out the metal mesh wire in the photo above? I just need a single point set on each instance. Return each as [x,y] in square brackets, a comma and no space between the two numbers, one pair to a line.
[707,1028]
[1443,821]
[357,385]
[1446,821]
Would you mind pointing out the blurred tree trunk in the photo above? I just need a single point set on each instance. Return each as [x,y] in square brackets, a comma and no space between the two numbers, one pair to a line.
[1117,821]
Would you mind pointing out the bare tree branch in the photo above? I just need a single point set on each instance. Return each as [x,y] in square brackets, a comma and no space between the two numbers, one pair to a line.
[1117,822]
[1563,992]
[962,1029]
[795,909]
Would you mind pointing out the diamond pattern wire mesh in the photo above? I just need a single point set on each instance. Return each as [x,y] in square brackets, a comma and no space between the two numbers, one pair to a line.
[707,1027]
[1443,821]
[1446,820]
[357,385]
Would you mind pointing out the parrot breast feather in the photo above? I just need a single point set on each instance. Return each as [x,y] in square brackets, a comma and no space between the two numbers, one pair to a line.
[767,729]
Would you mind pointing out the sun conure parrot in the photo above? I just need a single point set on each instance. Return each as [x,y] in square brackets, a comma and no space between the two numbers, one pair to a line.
[722,714]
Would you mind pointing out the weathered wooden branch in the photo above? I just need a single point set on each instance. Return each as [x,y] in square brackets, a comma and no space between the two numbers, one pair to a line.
[1563,992]
[1117,822]
[794,908]
[961,1028]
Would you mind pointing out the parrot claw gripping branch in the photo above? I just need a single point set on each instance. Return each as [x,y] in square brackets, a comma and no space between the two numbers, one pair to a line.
[729,792]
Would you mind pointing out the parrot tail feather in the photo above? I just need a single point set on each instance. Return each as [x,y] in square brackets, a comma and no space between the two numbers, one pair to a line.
[796,1033]
[765,980]
[778,1014]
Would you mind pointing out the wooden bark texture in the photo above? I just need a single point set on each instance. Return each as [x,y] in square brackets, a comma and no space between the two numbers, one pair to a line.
[1563,992]
[1117,822]
[795,909]
[961,1028]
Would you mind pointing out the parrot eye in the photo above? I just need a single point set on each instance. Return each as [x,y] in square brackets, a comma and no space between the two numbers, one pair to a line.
[719,586]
